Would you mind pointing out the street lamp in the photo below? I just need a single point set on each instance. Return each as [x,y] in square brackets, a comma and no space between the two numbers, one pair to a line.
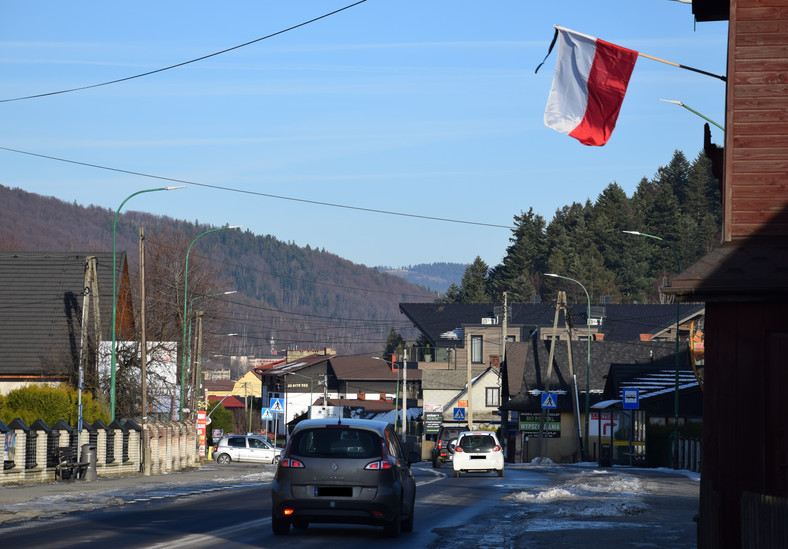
[185,310]
[115,294]
[693,111]
[588,357]
[675,434]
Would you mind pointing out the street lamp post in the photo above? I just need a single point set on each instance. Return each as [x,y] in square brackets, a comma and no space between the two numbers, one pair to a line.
[588,358]
[113,359]
[185,310]
[675,434]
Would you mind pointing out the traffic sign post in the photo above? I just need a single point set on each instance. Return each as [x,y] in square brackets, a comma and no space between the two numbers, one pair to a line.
[549,400]
[631,399]
[277,406]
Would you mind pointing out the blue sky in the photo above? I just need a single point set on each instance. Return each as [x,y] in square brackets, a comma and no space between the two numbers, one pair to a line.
[425,108]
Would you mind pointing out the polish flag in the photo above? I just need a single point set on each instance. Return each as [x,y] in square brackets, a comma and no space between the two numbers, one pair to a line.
[589,85]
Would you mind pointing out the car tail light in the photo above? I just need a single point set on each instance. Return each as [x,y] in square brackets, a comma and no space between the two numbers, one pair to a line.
[457,449]
[497,448]
[440,443]
[290,463]
[379,465]
[288,511]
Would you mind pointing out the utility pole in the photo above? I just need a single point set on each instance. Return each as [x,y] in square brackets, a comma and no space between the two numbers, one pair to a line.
[404,395]
[195,361]
[90,287]
[504,328]
[504,333]
[469,415]
[146,465]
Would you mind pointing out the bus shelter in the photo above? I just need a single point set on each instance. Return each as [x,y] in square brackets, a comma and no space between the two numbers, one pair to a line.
[618,434]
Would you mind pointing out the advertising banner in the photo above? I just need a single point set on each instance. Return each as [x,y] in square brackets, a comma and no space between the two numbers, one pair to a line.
[530,424]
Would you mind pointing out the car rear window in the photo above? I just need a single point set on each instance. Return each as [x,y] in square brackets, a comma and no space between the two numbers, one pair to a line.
[477,443]
[336,443]
[449,434]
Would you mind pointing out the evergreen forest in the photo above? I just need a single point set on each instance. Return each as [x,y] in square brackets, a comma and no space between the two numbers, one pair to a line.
[680,206]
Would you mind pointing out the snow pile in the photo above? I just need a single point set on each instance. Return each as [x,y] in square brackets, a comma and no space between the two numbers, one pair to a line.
[591,494]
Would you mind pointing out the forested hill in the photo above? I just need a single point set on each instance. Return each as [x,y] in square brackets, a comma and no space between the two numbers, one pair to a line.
[435,276]
[287,296]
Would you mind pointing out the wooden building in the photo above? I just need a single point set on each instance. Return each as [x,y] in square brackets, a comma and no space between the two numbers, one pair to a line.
[744,283]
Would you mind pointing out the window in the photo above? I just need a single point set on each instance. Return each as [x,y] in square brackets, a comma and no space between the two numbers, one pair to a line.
[336,443]
[476,349]
[492,397]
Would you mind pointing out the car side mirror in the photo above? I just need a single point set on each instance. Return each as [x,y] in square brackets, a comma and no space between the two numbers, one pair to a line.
[413,457]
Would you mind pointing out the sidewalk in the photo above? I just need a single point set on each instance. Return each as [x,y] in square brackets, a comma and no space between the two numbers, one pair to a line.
[19,503]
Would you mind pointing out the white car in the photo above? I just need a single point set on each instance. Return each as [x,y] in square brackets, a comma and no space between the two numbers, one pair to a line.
[244,449]
[477,451]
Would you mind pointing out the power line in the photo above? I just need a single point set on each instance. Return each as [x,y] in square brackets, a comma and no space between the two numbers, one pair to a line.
[177,65]
[255,193]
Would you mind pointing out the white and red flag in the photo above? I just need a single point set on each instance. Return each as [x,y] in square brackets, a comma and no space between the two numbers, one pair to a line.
[589,84]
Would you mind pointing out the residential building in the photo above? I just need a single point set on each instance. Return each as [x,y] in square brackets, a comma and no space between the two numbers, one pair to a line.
[42,337]
[359,382]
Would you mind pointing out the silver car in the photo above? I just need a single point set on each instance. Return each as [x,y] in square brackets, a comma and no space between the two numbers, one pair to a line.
[245,449]
[344,471]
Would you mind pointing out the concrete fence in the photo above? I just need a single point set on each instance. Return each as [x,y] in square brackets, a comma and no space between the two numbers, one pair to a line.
[30,452]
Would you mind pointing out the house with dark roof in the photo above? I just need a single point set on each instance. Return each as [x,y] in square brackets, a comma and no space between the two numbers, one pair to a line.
[453,330]
[580,375]
[358,382]
[42,297]
[465,337]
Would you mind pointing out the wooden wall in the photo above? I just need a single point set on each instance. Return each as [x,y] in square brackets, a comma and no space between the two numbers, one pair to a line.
[756,141]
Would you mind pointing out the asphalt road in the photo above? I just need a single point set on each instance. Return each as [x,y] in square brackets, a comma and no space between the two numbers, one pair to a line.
[208,508]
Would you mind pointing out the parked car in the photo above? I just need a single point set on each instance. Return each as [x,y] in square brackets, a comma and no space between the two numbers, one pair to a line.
[477,451]
[350,471]
[443,449]
[245,449]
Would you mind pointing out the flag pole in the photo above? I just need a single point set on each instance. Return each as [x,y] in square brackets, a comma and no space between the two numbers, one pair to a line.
[682,66]
[559,28]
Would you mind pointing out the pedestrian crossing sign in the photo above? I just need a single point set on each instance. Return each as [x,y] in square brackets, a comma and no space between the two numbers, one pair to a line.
[277,406]
[549,400]
[459,414]
[266,414]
